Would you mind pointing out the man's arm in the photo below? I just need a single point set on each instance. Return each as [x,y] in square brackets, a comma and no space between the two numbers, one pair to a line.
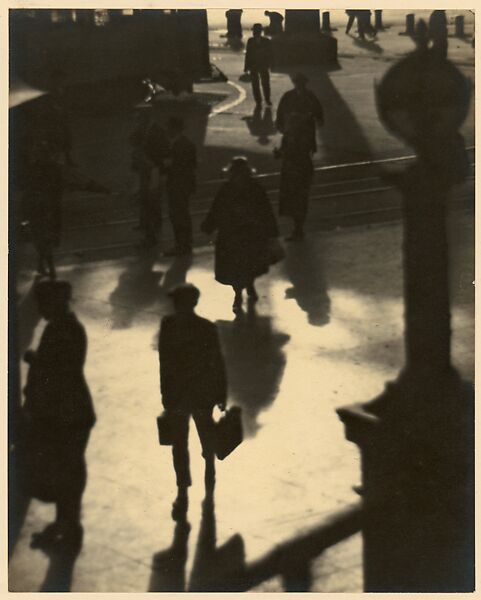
[247,60]
[165,367]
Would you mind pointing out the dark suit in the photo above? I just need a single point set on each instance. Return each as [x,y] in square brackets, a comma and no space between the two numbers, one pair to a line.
[304,102]
[258,61]
[180,186]
[192,382]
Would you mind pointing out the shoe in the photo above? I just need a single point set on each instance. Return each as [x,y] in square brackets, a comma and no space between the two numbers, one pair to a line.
[179,509]
[237,306]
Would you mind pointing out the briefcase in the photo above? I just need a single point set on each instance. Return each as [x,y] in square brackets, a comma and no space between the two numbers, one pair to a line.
[164,429]
[229,433]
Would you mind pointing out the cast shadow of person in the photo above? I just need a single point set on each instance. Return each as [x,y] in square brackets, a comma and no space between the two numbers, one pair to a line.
[60,569]
[303,266]
[216,569]
[139,287]
[255,363]
[369,45]
[168,566]
[261,125]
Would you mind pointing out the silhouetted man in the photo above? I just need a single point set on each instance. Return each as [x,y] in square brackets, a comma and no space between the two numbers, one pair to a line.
[181,166]
[258,61]
[192,382]
[438,32]
[275,22]
[234,25]
[303,101]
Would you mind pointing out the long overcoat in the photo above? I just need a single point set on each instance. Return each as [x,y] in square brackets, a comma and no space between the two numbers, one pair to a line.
[244,221]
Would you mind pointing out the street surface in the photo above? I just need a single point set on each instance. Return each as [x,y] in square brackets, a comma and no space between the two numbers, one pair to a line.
[326,332]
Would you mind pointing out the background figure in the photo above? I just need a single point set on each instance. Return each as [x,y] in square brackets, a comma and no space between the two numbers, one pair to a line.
[438,32]
[243,218]
[192,382]
[149,150]
[296,171]
[234,26]
[352,14]
[258,61]
[300,100]
[275,22]
[181,165]
[58,416]
[45,180]
[364,24]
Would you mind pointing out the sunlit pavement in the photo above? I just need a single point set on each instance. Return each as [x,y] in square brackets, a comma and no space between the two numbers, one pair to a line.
[327,331]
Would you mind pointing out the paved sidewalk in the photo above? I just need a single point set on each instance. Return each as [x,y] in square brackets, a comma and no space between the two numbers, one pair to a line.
[327,332]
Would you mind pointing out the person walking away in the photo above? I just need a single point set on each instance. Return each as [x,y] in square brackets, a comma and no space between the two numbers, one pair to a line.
[245,224]
[181,164]
[275,23]
[258,61]
[192,382]
[58,416]
[149,150]
[438,32]
[234,25]
[296,172]
[303,101]
[364,24]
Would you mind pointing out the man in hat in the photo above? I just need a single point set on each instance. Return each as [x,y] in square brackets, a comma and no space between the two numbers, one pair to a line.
[275,22]
[258,61]
[181,164]
[302,101]
[192,382]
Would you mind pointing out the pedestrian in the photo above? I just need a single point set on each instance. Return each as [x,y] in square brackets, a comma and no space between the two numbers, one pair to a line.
[438,32]
[300,100]
[45,180]
[58,416]
[275,22]
[192,381]
[149,150]
[180,164]
[352,14]
[234,25]
[296,172]
[245,224]
[364,24]
[258,61]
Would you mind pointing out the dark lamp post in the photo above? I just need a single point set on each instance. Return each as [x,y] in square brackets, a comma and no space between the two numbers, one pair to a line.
[416,438]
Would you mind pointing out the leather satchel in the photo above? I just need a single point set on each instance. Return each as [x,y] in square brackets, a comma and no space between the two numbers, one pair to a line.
[229,432]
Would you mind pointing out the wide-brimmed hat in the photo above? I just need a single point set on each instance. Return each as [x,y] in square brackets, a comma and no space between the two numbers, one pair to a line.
[257,27]
[185,292]
[53,291]
[299,78]
[239,163]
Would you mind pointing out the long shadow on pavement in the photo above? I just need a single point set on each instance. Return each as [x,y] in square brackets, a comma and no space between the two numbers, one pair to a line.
[60,570]
[303,266]
[255,363]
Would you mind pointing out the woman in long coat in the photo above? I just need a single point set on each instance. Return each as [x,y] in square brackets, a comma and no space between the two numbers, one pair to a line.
[296,172]
[58,415]
[245,224]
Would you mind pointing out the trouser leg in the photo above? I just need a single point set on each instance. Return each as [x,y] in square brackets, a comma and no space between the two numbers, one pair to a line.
[180,218]
[256,90]
[206,429]
[180,449]
[350,23]
[266,84]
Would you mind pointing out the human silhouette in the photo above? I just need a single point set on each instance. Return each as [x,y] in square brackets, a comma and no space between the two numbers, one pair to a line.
[234,25]
[303,101]
[258,61]
[192,382]
[275,22]
[296,171]
[261,124]
[149,149]
[58,416]
[242,216]
[168,566]
[438,32]
[181,165]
